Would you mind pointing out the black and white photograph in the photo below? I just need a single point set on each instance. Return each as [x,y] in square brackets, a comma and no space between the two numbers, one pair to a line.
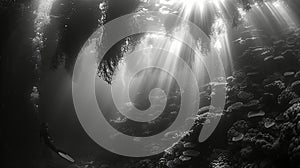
[150,83]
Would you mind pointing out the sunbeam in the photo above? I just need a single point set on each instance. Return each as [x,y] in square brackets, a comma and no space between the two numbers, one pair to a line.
[150,83]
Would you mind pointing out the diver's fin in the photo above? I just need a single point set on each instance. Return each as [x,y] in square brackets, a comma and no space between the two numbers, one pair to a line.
[66,156]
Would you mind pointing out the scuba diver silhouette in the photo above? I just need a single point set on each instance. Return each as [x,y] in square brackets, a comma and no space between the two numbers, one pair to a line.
[49,142]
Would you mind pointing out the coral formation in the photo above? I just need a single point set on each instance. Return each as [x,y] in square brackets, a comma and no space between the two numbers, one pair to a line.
[262,113]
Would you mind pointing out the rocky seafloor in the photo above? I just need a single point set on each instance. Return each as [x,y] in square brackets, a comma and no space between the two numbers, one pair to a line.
[260,124]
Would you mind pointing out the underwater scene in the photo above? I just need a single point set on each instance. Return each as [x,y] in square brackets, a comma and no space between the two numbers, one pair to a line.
[150,83]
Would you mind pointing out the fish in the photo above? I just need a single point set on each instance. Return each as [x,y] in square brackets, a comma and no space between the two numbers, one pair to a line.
[66,156]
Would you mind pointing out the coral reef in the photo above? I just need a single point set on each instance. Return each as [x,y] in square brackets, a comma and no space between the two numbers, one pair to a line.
[262,113]
[237,131]
[270,135]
